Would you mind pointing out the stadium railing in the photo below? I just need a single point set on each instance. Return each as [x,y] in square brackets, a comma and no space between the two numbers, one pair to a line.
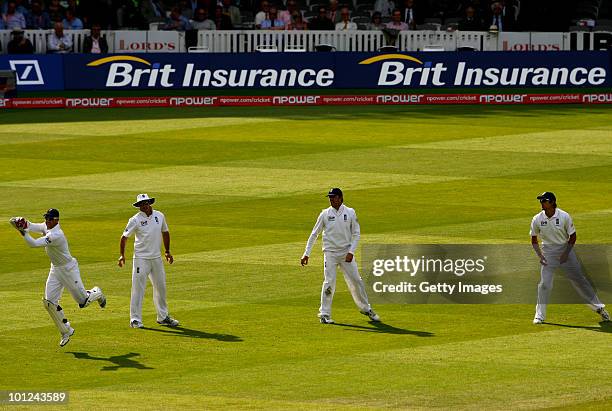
[238,41]
[39,39]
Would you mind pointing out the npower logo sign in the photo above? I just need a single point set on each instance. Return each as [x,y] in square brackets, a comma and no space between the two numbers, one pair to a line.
[405,70]
[131,71]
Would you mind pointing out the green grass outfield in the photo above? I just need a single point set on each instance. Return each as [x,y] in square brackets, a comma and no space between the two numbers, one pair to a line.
[241,189]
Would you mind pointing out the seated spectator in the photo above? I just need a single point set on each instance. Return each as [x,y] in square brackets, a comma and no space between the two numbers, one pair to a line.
[272,22]
[511,8]
[500,21]
[346,24]
[72,22]
[384,7]
[176,21]
[153,11]
[186,10]
[321,21]
[409,14]
[58,41]
[297,22]
[232,12]
[19,44]
[334,13]
[222,21]
[55,11]
[12,18]
[262,14]
[76,10]
[287,15]
[95,43]
[376,22]
[471,22]
[19,7]
[396,22]
[201,20]
[194,5]
[38,19]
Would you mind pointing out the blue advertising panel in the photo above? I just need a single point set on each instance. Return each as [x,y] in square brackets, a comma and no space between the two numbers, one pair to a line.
[35,72]
[310,70]
[338,70]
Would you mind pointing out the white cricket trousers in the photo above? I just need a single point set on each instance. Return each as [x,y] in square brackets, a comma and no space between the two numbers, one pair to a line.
[573,272]
[66,276]
[154,269]
[351,276]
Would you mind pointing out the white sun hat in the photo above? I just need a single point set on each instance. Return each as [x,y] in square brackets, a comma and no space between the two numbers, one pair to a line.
[143,197]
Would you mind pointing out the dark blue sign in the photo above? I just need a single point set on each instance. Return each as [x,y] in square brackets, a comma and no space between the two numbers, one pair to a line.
[332,70]
[35,72]
[338,70]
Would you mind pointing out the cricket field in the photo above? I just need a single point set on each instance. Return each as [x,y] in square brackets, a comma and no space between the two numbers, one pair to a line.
[241,189]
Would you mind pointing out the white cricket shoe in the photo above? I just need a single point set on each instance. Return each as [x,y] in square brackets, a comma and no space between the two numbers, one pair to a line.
[538,320]
[326,319]
[66,337]
[169,321]
[605,315]
[373,316]
[136,324]
[95,294]
[101,298]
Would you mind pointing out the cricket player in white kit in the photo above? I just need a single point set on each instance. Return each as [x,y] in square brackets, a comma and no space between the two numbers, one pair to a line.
[64,271]
[149,227]
[556,229]
[341,235]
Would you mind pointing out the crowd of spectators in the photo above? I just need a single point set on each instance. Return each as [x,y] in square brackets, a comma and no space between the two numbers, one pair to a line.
[183,15]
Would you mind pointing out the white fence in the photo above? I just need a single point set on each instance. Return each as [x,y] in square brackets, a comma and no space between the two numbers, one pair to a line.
[237,41]
[120,41]
[39,39]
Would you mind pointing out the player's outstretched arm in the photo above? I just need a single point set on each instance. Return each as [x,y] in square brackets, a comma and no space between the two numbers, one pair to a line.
[37,242]
[36,227]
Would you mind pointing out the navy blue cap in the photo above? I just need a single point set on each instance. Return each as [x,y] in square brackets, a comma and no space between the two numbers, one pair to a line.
[51,214]
[334,192]
[547,195]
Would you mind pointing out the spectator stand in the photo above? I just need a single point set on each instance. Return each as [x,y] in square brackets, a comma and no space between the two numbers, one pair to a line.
[240,41]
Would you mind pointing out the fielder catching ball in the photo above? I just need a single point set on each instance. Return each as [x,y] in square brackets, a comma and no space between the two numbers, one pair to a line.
[64,270]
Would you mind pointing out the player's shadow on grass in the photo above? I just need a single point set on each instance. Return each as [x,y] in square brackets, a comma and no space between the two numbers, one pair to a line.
[604,327]
[186,332]
[380,327]
[118,361]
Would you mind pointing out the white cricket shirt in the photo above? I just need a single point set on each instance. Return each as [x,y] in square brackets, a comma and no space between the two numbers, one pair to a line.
[54,241]
[148,239]
[341,231]
[555,230]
